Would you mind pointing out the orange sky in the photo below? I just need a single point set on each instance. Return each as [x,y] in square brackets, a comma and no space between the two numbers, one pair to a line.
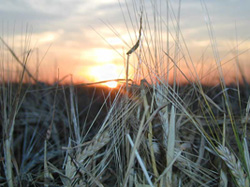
[90,39]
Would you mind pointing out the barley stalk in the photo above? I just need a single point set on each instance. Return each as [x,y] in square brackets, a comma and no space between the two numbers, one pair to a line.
[98,142]
[150,133]
[136,145]
[234,165]
[132,50]
[9,122]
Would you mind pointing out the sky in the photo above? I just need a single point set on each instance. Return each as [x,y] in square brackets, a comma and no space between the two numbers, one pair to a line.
[89,39]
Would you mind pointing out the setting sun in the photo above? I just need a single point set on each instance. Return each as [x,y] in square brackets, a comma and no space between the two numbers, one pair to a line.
[111,84]
[106,72]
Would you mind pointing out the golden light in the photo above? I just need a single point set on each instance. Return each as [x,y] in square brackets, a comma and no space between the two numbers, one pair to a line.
[104,73]
[48,37]
[99,55]
[111,84]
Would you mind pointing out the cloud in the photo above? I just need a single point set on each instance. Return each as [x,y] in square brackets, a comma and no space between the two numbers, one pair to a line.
[67,24]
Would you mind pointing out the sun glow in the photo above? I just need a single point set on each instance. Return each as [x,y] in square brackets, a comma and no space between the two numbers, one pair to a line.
[100,55]
[105,73]
[111,84]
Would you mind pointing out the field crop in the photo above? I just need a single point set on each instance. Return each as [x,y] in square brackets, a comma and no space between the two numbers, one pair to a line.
[149,131]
